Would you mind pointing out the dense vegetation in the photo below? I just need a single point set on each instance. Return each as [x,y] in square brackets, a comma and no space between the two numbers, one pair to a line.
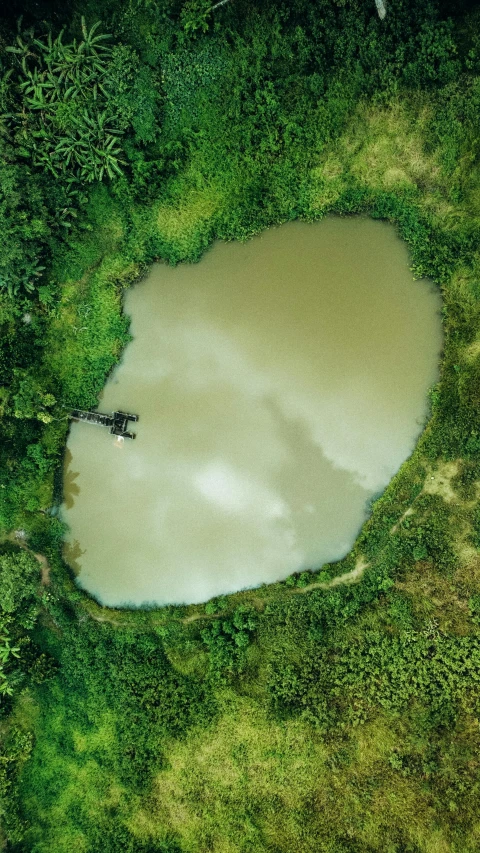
[302,716]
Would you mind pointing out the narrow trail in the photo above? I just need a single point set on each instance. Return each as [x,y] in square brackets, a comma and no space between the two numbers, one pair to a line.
[351,577]
[107,619]
[195,617]
[437,481]
[18,538]
[354,576]
[408,511]
[348,577]
[44,568]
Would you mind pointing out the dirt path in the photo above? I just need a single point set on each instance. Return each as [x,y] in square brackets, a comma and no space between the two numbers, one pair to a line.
[196,616]
[103,618]
[353,576]
[44,568]
[405,515]
[19,538]
[348,577]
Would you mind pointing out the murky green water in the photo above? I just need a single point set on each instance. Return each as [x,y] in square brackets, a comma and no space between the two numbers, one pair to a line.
[280,384]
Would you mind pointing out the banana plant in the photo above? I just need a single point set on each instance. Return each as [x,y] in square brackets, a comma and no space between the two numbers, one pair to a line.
[13,283]
[65,121]
[7,651]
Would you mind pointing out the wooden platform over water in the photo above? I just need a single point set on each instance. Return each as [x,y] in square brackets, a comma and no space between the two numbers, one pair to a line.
[117,421]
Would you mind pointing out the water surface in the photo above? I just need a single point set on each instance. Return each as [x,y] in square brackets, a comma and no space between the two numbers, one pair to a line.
[280,383]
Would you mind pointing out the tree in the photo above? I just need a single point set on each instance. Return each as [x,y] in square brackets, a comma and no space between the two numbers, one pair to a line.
[19,580]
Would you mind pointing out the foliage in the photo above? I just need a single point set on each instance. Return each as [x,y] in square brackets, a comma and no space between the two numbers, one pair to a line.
[335,719]
[25,227]
[19,577]
[22,663]
[7,651]
[77,99]
[435,61]
[227,641]
[352,680]
[194,16]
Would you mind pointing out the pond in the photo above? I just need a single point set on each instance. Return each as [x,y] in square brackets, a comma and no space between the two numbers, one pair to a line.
[279,383]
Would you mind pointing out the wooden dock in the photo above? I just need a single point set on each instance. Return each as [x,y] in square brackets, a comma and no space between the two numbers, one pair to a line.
[117,422]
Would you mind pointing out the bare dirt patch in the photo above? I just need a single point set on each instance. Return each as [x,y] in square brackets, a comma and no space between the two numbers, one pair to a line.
[438,481]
